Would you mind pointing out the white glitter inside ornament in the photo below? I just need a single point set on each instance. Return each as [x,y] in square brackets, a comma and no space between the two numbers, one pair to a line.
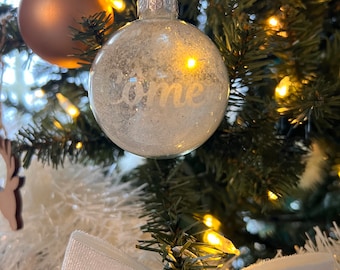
[159,87]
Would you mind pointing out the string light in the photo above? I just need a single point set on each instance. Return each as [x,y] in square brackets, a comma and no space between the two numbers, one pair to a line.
[217,241]
[275,24]
[220,242]
[272,196]
[57,124]
[118,5]
[282,89]
[79,145]
[338,170]
[67,105]
[40,93]
[211,222]
[282,110]
[191,63]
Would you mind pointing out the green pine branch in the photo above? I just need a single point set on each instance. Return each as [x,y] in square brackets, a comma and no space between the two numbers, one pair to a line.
[174,200]
[10,37]
[81,141]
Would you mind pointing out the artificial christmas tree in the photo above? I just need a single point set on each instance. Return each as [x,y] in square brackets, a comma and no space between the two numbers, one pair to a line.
[268,174]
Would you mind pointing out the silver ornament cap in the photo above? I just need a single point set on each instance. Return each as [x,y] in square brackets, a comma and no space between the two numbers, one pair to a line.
[157,8]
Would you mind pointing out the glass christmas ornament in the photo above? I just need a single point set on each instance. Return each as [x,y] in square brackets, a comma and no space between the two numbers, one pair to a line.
[158,87]
[45,27]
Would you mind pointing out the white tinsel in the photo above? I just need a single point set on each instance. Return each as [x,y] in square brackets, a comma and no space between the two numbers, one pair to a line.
[314,172]
[327,248]
[324,243]
[57,202]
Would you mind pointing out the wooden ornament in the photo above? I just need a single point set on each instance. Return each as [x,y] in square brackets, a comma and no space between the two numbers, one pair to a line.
[45,27]
[10,198]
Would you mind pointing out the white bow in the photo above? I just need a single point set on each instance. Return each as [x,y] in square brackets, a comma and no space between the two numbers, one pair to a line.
[87,252]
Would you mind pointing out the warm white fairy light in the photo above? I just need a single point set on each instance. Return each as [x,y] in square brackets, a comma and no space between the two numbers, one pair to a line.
[219,242]
[213,238]
[118,5]
[79,145]
[272,196]
[67,105]
[282,89]
[57,124]
[191,63]
[273,22]
[39,93]
[211,222]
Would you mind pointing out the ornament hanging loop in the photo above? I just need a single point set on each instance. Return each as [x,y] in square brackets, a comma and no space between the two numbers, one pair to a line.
[157,9]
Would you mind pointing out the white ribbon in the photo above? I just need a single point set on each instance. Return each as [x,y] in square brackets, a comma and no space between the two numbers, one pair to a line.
[86,252]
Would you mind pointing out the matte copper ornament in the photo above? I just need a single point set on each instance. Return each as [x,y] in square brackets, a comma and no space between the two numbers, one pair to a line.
[45,27]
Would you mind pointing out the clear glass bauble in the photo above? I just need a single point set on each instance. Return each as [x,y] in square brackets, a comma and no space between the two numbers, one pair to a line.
[159,87]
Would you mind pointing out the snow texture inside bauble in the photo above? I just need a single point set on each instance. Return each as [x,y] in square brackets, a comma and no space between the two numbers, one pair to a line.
[159,88]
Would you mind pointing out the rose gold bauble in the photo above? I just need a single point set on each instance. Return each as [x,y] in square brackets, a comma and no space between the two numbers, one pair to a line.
[45,27]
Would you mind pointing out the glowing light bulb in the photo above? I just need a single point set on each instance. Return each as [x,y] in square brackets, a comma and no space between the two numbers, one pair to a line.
[211,222]
[40,93]
[191,63]
[272,196]
[57,124]
[118,5]
[282,110]
[79,145]
[273,22]
[282,89]
[67,105]
[220,242]
[213,239]
[73,112]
